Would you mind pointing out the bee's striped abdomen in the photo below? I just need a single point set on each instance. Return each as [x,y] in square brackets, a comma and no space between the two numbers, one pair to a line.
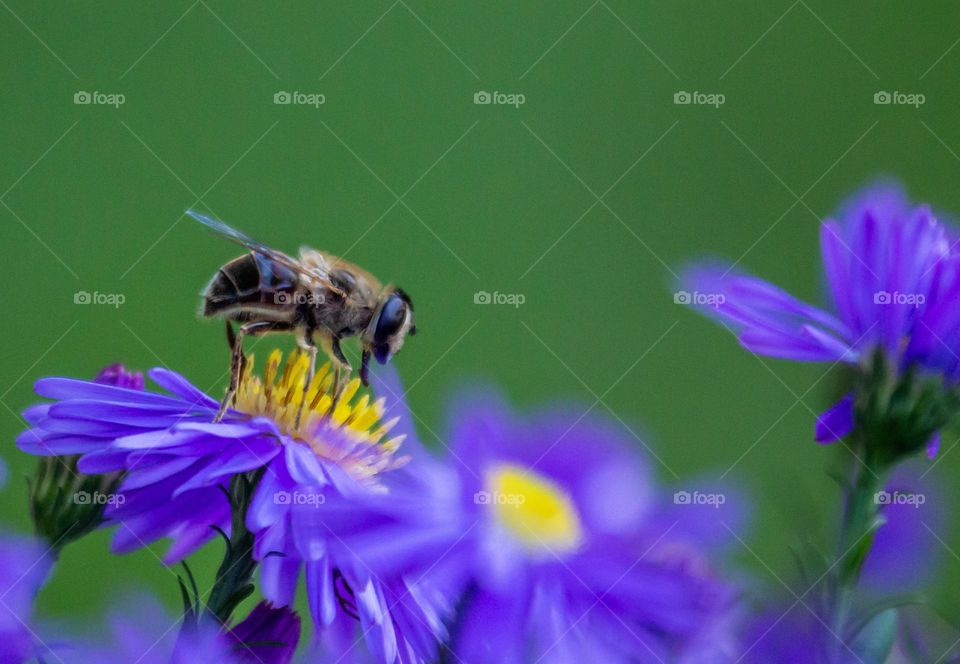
[249,281]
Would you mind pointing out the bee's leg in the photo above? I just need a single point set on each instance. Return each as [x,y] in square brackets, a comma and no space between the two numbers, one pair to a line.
[341,363]
[237,359]
[308,346]
[232,342]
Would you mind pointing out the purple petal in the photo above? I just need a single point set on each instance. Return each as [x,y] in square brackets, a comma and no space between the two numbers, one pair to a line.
[933,445]
[835,422]
[176,384]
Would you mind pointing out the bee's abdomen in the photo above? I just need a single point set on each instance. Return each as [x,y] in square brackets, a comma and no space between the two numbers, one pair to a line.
[248,281]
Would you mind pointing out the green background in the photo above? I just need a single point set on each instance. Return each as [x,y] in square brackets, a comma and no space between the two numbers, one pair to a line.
[491,198]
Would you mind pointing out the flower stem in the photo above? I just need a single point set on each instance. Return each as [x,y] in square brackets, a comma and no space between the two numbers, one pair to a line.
[861,519]
[234,581]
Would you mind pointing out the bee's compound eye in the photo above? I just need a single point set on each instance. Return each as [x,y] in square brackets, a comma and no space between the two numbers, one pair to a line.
[392,316]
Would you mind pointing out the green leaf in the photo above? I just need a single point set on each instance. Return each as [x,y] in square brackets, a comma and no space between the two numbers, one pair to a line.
[875,641]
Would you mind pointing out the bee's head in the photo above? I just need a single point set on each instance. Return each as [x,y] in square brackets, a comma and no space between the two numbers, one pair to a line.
[392,321]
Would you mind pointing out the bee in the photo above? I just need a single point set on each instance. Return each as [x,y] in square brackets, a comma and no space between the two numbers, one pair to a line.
[317,297]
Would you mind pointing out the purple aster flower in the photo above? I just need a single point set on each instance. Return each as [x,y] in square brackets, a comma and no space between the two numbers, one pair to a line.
[142,631]
[565,550]
[25,565]
[177,462]
[893,280]
[906,549]
[117,374]
[177,465]
[793,633]
[552,525]
[801,632]
[304,517]
[269,635]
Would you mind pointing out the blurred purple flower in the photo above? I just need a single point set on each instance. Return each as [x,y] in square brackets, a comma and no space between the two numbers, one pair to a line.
[569,560]
[553,526]
[793,633]
[142,631]
[269,635]
[894,282]
[118,375]
[905,548]
[25,565]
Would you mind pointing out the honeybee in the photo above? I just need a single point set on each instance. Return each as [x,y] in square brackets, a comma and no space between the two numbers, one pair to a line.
[317,297]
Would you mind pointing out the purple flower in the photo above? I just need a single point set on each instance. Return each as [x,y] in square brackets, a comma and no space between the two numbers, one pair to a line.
[893,280]
[117,374]
[25,565]
[177,461]
[906,549]
[794,633]
[142,631]
[177,464]
[553,527]
[303,516]
[565,550]
[161,441]
[269,635]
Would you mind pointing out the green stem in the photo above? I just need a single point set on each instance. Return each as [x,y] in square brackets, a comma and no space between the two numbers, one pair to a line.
[234,581]
[860,522]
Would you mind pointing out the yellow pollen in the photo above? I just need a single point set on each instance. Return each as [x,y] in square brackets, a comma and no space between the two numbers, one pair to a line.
[278,396]
[534,509]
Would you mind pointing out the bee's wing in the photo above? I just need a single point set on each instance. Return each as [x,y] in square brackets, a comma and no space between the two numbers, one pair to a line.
[328,263]
[316,275]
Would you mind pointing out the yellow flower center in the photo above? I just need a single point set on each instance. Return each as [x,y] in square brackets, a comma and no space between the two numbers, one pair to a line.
[536,511]
[278,396]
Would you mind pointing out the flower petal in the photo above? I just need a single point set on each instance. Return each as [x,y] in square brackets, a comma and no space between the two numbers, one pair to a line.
[835,422]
